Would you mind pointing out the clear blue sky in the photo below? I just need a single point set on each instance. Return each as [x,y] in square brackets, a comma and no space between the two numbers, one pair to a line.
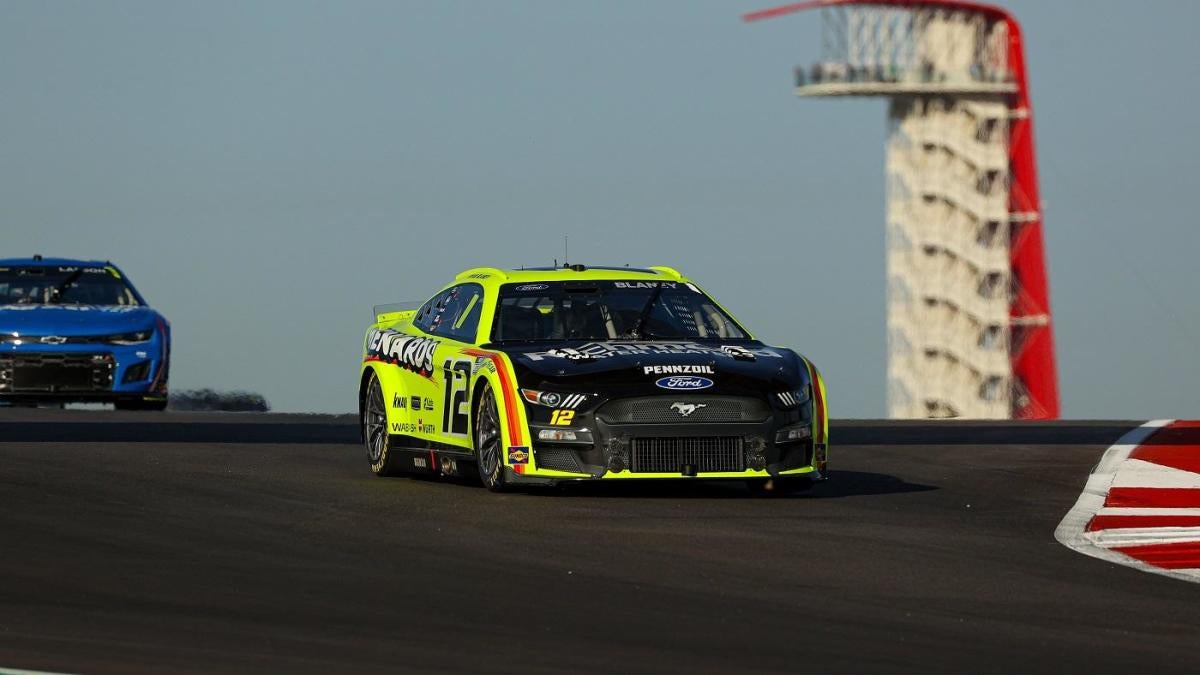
[267,171]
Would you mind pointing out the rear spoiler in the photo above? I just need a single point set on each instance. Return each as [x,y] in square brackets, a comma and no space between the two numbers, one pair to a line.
[395,311]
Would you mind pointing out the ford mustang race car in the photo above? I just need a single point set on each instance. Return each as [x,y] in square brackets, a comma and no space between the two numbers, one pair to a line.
[542,375]
[77,330]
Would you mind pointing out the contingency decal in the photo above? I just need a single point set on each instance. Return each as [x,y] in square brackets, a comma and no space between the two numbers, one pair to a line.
[481,363]
[407,351]
[1141,504]
[603,350]
[420,426]
[678,370]
[654,284]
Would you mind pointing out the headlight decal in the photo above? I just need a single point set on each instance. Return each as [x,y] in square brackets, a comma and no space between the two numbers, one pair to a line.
[553,399]
[133,338]
[793,399]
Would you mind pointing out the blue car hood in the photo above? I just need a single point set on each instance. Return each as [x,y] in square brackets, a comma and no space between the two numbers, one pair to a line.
[71,320]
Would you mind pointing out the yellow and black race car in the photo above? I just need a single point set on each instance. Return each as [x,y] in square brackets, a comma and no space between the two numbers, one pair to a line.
[542,375]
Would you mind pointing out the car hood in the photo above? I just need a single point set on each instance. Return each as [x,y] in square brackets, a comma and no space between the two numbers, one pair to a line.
[72,320]
[742,365]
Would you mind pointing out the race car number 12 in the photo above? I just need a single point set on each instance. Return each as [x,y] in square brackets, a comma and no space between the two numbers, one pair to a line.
[455,418]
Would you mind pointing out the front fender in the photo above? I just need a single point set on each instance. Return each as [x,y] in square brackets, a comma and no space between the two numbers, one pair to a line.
[820,419]
[496,370]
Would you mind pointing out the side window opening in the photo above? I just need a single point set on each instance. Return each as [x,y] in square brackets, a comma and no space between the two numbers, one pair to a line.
[424,317]
[456,313]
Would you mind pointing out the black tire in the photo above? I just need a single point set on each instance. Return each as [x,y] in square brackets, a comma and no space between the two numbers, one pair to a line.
[156,405]
[486,436]
[779,487]
[378,442]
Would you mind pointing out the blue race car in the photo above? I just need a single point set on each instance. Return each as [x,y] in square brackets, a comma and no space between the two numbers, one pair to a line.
[78,331]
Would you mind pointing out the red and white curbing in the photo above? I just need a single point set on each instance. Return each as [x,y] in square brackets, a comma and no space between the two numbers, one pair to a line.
[1141,504]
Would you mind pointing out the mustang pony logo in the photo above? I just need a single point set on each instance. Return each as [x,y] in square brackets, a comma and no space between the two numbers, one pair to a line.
[686,409]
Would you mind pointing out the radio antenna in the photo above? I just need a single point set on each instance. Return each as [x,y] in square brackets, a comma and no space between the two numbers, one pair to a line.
[566,251]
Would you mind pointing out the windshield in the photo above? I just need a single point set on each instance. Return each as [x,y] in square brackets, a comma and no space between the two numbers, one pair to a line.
[609,310]
[65,286]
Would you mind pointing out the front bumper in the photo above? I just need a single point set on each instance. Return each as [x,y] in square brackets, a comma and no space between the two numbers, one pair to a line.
[632,451]
[83,372]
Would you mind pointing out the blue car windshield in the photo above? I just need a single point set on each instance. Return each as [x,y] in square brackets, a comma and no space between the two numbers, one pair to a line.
[50,285]
[610,310]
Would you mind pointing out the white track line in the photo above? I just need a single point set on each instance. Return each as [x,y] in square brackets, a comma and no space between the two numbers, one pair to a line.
[1144,536]
[1140,473]
[1070,531]
[1145,511]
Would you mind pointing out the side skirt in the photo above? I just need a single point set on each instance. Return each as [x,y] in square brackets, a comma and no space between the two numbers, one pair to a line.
[429,457]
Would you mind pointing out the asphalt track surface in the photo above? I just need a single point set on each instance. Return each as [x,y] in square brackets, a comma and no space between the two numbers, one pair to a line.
[144,542]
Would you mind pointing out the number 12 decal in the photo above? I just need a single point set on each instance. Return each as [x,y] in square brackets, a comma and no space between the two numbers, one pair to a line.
[455,409]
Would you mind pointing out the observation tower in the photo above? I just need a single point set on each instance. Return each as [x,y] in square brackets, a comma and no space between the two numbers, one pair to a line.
[968,318]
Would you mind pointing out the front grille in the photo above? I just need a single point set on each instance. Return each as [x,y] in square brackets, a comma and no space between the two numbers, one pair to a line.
[672,409]
[54,373]
[672,454]
[558,459]
[57,339]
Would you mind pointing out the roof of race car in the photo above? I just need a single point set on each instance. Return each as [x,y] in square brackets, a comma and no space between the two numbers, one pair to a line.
[493,277]
[569,273]
[38,261]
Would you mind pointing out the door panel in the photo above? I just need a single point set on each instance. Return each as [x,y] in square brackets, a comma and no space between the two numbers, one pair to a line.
[453,379]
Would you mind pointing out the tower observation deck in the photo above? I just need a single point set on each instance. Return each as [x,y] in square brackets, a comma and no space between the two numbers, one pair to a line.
[968,318]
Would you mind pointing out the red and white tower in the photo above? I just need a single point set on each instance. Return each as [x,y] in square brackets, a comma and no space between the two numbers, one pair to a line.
[969,331]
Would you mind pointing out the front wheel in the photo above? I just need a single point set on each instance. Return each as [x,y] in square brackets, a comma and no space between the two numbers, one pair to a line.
[375,432]
[487,442]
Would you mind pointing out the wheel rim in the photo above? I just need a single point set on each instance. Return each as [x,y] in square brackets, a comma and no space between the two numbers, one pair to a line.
[375,422]
[487,437]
